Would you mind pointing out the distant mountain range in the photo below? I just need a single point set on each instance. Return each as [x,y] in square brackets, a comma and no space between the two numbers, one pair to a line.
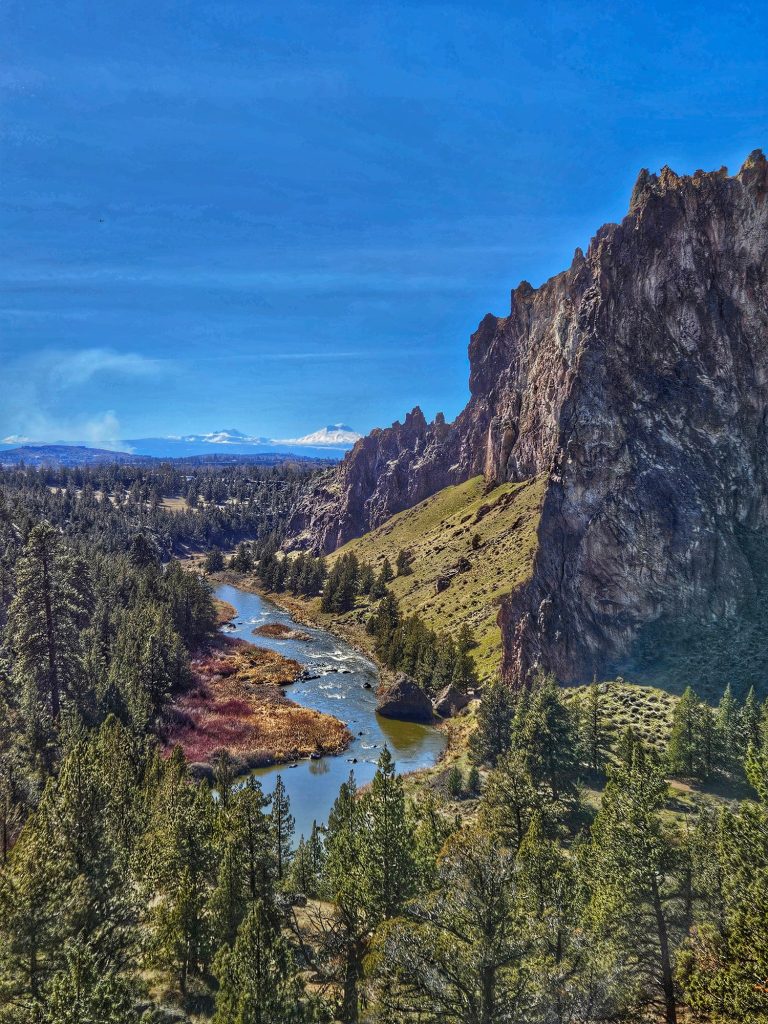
[328,443]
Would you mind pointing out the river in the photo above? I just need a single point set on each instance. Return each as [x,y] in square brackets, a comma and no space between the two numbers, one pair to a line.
[339,690]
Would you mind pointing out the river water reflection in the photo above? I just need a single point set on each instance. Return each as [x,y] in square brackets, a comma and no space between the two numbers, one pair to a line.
[339,690]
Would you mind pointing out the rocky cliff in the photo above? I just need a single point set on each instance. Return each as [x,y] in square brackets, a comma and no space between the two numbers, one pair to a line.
[637,381]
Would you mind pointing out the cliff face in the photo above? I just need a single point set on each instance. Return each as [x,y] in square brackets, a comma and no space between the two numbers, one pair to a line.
[637,380]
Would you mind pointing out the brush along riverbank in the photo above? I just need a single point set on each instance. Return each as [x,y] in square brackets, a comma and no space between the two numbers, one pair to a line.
[235,705]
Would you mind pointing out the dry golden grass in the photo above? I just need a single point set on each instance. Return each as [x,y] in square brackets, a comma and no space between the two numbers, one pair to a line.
[236,705]
[225,611]
[177,504]
[279,631]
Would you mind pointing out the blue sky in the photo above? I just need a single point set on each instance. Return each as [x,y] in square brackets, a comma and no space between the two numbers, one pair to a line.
[274,216]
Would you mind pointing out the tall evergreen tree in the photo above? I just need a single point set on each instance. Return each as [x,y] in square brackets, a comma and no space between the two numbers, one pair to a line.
[258,982]
[510,799]
[50,608]
[688,752]
[494,723]
[388,868]
[559,961]
[545,730]
[749,721]
[634,900]
[727,739]
[282,827]
[456,957]
[179,876]
[89,990]
[594,737]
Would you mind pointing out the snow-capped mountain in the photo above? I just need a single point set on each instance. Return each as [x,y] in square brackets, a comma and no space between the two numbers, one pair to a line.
[230,436]
[329,442]
[335,435]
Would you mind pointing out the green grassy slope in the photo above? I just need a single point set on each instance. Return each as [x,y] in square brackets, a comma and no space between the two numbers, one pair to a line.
[438,533]
[647,709]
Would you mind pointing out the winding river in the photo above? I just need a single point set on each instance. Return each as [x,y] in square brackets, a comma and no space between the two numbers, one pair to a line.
[339,689]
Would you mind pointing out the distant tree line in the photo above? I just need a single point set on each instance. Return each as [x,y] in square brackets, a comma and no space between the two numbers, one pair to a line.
[706,741]
[109,505]
[301,574]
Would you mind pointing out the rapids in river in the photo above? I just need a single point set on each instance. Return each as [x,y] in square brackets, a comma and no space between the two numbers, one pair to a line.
[338,688]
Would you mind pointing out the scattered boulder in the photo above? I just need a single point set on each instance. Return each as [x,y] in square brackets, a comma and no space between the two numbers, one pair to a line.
[442,583]
[404,699]
[450,701]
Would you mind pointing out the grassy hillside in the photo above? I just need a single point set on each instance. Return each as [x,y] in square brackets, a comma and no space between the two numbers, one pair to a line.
[647,709]
[480,543]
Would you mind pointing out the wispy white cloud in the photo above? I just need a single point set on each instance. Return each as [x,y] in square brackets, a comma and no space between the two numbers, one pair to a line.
[75,368]
[45,390]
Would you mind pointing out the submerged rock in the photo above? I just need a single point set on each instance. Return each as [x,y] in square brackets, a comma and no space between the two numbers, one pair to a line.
[404,699]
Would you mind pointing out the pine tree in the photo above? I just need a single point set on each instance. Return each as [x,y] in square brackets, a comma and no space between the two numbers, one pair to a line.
[432,831]
[464,676]
[214,561]
[148,664]
[282,827]
[549,896]
[689,741]
[388,869]
[242,559]
[49,610]
[594,739]
[258,982]
[727,739]
[545,731]
[383,626]
[473,781]
[455,783]
[29,923]
[724,965]
[379,589]
[95,903]
[630,862]
[510,799]
[89,990]
[494,723]
[457,956]
[749,721]
[444,665]
[190,602]
[308,864]
[180,872]
[341,585]
[343,884]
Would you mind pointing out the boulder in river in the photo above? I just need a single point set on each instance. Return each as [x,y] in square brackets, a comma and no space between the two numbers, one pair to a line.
[404,699]
[449,701]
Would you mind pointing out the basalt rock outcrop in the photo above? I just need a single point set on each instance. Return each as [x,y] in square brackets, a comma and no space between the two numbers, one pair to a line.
[404,699]
[636,381]
[449,701]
